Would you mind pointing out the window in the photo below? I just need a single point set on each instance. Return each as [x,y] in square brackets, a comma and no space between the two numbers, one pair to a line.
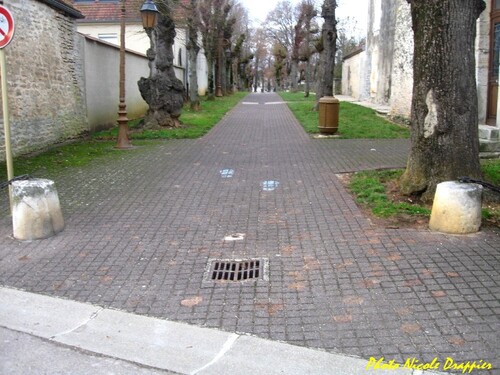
[109,37]
[497,4]
[179,58]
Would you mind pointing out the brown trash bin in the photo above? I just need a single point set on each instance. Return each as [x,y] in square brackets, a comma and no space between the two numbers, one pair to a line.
[328,115]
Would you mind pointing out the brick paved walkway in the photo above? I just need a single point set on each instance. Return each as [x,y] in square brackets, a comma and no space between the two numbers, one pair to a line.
[141,229]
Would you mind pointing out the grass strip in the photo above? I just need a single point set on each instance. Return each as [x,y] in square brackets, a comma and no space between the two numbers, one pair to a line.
[356,122]
[369,190]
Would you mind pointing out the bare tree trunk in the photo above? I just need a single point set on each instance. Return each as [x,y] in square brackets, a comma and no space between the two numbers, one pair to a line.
[256,77]
[329,35]
[319,79]
[308,77]
[210,76]
[193,49]
[219,65]
[163,92]
[444,140]
[293,76]
[194,98]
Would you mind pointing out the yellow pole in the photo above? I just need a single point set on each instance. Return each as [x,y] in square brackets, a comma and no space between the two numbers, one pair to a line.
[6,124]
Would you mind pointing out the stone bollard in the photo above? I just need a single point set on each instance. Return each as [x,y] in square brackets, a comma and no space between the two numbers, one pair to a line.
[36,213]
[456,208]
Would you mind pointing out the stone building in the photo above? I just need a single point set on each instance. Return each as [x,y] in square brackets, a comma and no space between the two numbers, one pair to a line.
[45,76]
[386,65]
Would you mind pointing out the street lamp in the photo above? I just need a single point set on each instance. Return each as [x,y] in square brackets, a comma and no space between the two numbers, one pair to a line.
[149,14]
[123,142]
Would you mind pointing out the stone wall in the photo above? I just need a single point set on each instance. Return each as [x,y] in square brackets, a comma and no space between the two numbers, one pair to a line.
[387,77]
[45,78]
[483,61]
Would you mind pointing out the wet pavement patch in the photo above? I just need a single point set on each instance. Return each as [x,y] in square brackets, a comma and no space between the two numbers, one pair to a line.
[269,185]
[236,270]
[226,173]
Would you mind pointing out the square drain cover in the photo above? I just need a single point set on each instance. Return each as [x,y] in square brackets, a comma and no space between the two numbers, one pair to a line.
[223,270]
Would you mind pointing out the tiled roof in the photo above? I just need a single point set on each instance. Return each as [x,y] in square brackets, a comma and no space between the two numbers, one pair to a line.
[110,10]
[65,6]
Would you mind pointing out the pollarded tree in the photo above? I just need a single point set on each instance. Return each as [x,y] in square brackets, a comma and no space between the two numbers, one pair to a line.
[444,118]
[307,13]
[298,39]
[214,17]
[240,47]
[279,54]
[163,92]
[280,29]
[208,11]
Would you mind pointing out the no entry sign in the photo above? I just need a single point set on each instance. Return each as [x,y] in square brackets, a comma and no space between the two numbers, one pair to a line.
[6,26]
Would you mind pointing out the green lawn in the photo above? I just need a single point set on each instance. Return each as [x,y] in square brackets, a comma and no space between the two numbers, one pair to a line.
[194,124]
[491,171]
[355,121]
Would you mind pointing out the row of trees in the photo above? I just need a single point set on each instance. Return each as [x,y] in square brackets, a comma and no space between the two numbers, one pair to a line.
[290,48]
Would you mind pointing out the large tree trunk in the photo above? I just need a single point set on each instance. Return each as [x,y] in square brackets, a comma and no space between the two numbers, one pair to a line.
[210,76]
[328,51]
[319,77]
[194,98]
[329,35]
[444,140]
[163,92]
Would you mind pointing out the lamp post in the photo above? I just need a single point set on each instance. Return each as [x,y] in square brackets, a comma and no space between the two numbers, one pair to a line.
[123,142]
[149,15]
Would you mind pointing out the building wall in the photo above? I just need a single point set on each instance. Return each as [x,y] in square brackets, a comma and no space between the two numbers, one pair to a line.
[135,36]
[102,61]
[45,78]
[387,77]
[351,75]
[483,60]
[402,67]
[137,40]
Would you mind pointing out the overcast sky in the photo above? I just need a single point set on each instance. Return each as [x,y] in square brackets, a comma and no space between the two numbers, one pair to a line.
[356,9]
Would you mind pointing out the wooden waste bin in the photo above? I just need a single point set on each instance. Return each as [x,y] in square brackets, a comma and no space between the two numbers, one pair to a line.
[328,115]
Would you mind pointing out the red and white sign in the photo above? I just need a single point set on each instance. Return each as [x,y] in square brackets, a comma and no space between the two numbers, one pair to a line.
[6,26]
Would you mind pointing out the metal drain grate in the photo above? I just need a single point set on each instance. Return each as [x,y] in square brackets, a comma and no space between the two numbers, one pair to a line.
[236,270]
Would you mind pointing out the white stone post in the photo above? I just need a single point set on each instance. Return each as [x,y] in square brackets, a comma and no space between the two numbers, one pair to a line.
[36,213]
[456,208]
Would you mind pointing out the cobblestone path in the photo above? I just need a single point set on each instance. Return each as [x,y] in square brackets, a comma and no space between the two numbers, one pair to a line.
[141,229]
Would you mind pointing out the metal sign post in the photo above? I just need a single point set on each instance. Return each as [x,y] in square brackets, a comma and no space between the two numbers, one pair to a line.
[6,34]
